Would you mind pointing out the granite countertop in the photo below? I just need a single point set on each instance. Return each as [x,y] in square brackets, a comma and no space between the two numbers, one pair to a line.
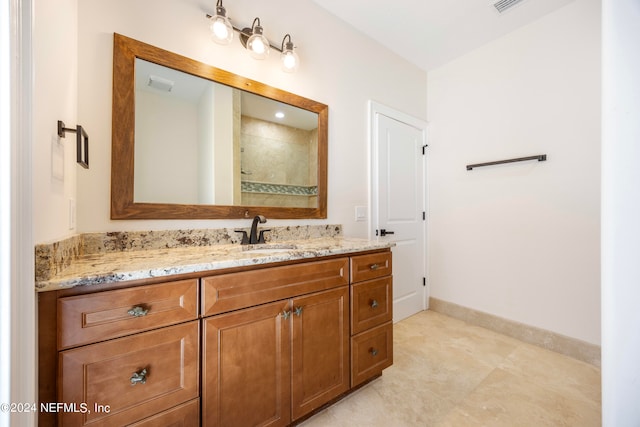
[109,267]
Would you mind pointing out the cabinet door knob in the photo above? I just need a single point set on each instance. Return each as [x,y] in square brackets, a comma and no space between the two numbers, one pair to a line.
[285,314]
[137,311]
[373,351]
[298,311]
[374,266]
[374,304]
[139,377]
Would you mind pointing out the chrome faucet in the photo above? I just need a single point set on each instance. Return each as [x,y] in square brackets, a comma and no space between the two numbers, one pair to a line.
[254,237]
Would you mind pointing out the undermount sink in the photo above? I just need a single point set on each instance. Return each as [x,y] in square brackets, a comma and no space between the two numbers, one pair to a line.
[267,249]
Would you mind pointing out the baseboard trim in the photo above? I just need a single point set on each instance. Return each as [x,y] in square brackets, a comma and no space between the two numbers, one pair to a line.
[562,344]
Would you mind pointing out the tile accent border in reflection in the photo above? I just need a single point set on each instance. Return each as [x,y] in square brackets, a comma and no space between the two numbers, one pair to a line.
[562,344]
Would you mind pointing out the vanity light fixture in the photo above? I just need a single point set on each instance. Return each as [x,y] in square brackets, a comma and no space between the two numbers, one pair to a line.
[252,39]
[288,56]
[221,28]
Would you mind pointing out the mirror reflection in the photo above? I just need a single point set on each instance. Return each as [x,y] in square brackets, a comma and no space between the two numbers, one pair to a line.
[192,141]
[202,142]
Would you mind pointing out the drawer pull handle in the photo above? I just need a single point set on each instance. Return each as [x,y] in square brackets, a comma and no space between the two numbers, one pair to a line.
[374,304]
[374,352]
[374,266]
[298,311]
[139,377]
[138,311]
[285,314]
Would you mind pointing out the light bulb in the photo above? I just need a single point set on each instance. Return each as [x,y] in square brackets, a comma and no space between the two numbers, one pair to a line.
[258,45]
[290,61]
[289,57]
[221,29]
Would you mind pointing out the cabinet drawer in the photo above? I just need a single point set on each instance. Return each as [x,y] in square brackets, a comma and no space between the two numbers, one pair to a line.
[371,304]
[86,319]
[248,288]
[104,374]
[185,415]
[371,352]
[367,267]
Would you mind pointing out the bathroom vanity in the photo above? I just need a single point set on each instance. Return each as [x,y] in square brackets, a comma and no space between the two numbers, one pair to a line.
[190,327]
[224,336]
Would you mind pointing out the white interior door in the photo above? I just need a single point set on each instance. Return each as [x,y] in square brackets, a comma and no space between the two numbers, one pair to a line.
[398,203]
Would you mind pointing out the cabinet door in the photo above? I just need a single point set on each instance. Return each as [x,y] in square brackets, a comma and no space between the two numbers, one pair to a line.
[246,368]
[320,349]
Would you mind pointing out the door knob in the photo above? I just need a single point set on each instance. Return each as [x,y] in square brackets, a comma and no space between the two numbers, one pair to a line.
[384,232]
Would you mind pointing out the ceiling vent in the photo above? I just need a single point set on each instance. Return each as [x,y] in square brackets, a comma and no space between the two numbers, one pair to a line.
[503,5]
[160,83]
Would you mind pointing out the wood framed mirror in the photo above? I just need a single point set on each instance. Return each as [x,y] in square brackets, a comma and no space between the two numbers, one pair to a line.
[243,162]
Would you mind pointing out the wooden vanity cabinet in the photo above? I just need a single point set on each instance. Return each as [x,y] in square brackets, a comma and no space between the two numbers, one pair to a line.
[263,345]
[272,364]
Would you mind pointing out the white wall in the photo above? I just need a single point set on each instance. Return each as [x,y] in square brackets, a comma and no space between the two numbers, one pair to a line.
[55,88]
[520,241]
[340,67]
[620,213]
[169,122]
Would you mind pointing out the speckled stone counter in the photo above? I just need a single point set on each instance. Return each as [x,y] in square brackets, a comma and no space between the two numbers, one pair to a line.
[111,257]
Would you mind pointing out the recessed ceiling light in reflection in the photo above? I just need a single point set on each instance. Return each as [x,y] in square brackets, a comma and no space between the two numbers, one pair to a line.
[279,115]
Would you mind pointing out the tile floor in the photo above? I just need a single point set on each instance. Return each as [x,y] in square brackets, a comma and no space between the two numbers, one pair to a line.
[448,373]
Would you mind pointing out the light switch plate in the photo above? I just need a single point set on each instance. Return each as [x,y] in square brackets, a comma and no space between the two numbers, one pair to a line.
[361,213]
[72,214]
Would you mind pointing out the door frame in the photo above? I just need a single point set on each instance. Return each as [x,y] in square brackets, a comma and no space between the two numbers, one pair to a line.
[375,108]
[18,334]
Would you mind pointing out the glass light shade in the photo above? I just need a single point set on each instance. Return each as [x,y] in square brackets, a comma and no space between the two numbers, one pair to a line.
[221,29]
[290,60]
[258,44]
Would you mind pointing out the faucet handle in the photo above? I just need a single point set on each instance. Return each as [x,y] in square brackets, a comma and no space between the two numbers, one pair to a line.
[261,238]
[245,238]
